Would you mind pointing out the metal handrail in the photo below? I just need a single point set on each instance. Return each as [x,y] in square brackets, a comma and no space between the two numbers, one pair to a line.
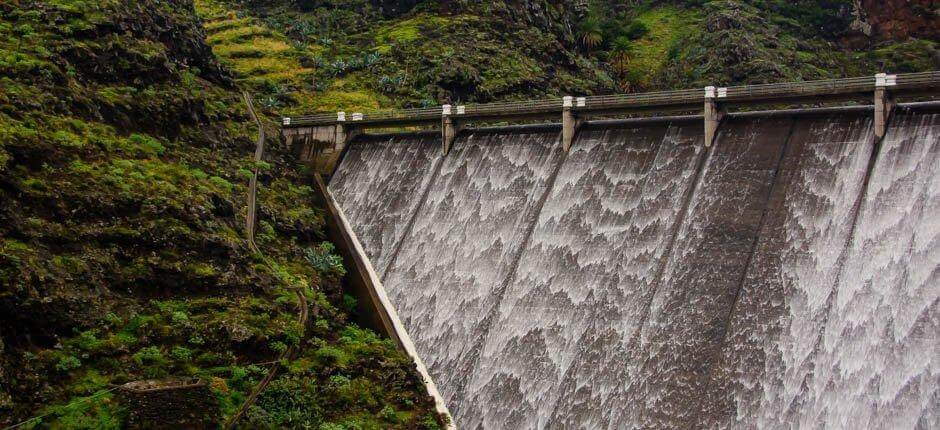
[852,87]
[820,87]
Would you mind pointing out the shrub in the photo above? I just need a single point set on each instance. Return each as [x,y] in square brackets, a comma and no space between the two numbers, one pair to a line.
[181,353]
[388,414]
[179,317]
[147,144]
[149,355]
[278,346]
[333,356]
[323,259]
[350,302]
[635,30]
[67,363]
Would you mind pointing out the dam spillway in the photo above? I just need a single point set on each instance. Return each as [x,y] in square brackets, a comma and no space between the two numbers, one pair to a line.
[787,275]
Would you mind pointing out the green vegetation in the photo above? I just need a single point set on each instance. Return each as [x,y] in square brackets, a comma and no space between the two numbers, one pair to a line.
[406,31]
[262,59]
[367,55]
[289,76]
[776,40]
[364,60]
[123,147]
[669,28]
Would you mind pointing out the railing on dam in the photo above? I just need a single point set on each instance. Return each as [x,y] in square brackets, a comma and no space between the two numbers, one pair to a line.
[860,88]
[325,135]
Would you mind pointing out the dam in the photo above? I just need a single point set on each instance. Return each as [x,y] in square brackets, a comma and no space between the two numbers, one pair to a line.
[776,269]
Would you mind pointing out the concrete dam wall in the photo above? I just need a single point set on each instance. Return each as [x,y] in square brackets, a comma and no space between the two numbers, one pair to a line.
[787,275]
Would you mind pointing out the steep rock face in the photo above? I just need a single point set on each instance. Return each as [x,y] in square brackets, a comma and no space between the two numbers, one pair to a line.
[181,34]
[553,16]
[121,45]
[124,155]
[900,19]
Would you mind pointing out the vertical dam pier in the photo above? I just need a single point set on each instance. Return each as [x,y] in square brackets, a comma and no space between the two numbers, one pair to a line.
[719,269]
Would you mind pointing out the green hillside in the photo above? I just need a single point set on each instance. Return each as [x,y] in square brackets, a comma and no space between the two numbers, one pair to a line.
[125,151]
[367,55]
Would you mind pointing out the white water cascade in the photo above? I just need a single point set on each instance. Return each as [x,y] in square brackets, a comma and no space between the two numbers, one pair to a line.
[787,276]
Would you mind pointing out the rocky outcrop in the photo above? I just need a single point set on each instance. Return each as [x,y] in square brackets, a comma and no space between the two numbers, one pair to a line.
[120,50]
[901,19]
[744,45]
[171,403]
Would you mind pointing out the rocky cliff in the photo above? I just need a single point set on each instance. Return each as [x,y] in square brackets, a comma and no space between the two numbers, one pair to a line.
[901,19]
[125,151]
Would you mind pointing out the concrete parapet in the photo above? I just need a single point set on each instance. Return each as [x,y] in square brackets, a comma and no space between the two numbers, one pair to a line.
[712,113]
[449,127]
[569,123]
[884,102]
[718,100]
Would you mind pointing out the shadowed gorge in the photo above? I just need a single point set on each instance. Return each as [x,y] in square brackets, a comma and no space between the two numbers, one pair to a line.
[786,274]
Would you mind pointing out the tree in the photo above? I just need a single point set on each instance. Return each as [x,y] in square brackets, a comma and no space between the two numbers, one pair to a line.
[621,52]
[592,33]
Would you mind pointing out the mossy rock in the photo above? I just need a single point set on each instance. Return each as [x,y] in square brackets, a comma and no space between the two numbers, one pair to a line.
[170,404]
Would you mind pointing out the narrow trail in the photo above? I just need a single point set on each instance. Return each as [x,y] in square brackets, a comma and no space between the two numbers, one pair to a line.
[250,222]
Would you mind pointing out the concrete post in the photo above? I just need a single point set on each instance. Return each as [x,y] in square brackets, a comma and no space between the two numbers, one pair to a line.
[569,124]
[345,132]
[884,103]
[449,128]
[351,130]
[288,135]
[712,114]
[340,138]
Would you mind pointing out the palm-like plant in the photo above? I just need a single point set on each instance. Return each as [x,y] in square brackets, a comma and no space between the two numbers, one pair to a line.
[621,52]
[592,35]
[622,46]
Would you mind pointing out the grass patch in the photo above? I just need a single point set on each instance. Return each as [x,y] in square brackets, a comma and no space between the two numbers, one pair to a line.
[238,34]
[668,27]
[228,22]
[266,61]
[407,31]
[342,95]
[256,47]
[261,66]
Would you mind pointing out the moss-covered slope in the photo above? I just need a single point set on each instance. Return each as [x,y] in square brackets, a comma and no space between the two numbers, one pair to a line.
[124,154]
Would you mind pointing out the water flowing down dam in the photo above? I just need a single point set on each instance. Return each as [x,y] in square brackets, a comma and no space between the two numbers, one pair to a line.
[787,275]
